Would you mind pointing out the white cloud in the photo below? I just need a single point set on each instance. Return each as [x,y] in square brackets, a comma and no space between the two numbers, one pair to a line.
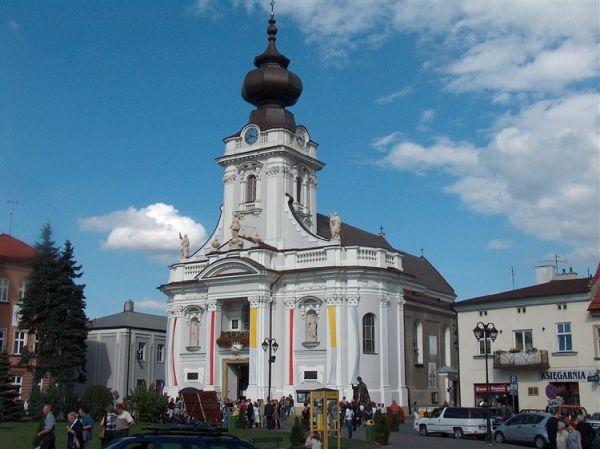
[390,98]
[500,244]
[540,169]
[14,26]
[153,229]
[151,304]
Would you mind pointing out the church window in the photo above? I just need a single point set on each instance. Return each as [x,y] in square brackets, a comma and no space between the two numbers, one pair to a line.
[299,190]
[251,189]
[4,289]
[368,325]
[418,343]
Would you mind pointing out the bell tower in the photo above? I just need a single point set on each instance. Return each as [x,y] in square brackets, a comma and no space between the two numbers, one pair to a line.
[270,164]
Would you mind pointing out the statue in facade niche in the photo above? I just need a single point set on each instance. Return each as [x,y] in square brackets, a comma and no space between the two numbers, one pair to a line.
[312,327]
[236,242]
[361,393]
[335,226]
[194,333]
[185,245]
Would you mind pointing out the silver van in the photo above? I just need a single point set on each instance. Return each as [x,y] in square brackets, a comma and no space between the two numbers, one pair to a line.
[457,421]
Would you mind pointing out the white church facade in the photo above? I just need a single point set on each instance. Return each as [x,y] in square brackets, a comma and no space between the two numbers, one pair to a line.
[335,302]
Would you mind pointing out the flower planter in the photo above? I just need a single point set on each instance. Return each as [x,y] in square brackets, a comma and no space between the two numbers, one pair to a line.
[381,438]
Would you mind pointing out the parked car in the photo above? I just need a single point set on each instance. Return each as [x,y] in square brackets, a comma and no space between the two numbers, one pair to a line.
[567,411]
[524,428]
[594,421]
[499,415]
[180,437]
[457,421]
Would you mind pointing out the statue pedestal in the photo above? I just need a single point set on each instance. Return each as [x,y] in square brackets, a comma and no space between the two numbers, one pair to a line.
[310,344]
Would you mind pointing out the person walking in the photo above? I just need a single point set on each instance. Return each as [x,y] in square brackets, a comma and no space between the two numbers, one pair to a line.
[108,426]
[561,440]
[124,421]
[586,430]
[74,432]
[88,424]
[574,439]
[349,420]
[552,428]
[46,432]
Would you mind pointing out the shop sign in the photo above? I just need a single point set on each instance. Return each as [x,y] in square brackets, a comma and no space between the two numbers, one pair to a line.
[573,375]
[494,388]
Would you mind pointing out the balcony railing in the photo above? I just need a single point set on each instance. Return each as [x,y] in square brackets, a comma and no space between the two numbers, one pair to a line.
[521,360]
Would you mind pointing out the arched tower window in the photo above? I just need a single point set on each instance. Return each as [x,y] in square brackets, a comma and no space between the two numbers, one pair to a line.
[299,190]
[418,342]
[368,325]
[251,189]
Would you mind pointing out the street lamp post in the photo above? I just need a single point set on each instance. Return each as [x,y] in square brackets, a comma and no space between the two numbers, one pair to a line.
[271,345]
[485,332]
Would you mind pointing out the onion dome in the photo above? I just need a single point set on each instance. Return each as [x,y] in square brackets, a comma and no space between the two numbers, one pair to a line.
[271,87]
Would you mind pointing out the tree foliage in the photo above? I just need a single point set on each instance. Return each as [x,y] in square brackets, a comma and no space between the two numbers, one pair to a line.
[10,409]
[149,403]
[97,398]
[53,309]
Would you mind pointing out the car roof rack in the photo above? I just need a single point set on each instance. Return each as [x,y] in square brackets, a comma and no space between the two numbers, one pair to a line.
[204,430]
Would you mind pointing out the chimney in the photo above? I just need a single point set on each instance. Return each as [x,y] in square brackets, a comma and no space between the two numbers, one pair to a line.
[544,273]
[566,275]
[128,307]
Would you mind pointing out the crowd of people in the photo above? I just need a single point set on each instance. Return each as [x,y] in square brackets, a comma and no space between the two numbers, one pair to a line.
[571,433]
[115,423]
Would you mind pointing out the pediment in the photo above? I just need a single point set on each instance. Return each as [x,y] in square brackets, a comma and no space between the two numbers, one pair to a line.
[229,268]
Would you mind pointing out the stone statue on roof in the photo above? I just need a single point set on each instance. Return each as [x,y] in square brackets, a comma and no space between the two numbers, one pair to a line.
[236,242]
[335,226]
[185,245]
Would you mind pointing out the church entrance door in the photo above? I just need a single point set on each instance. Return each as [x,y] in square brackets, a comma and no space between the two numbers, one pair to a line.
[235,378]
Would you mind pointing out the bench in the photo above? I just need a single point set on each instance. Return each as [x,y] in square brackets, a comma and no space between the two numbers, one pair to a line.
[273,440]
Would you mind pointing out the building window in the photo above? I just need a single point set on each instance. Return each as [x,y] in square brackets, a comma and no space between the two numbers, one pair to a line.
[140,383]
[368,326]
[2,339]
[17,382]
[418,344]
[563,333]
[597,339]
[22,289]
[533,391]
[4,289]
[160,352]
[20,342]
[523,339]
[484,345]
[482,312]
[141,351]
[251,189]
[299,190]
[521,309]
[562,307]
[235,324]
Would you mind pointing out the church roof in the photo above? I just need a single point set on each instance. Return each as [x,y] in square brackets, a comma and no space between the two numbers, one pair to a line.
[417,267]
[552,288]
[14,250]
[133,320]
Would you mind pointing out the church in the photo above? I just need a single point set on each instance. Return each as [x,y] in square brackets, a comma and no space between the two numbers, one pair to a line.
[282,300]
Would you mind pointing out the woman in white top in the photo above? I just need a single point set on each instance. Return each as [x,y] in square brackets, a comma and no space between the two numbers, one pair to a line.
[562,436]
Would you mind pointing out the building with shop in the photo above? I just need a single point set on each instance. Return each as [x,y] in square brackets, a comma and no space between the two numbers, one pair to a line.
[16,258]
[126,350]
[548,342]
[280,299]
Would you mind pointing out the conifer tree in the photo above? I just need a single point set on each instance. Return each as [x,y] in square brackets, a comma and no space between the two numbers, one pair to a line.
[9,409]
[53,309]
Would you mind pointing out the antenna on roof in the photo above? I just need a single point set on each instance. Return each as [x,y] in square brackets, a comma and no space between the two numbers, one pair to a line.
[512,272]
[11,204]
[556,261]
[381,233]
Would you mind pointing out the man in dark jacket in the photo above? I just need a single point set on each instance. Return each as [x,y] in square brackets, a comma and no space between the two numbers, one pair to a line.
[587,432]
[552,428]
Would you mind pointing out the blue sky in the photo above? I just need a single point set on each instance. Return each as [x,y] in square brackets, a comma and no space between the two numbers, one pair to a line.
[468,129]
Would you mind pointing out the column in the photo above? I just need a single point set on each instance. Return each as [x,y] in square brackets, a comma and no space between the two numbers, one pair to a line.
[402,391]
[383,326]
[353,348]
[173,344]
[290,308]
[259,330]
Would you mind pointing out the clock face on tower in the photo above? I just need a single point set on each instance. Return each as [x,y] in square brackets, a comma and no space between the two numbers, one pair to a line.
[251,135]
[301,138]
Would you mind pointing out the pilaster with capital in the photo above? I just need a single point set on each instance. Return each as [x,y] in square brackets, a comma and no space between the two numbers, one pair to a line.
[383,326]
[289,332]
[400,341]
[353,343]
[260,305]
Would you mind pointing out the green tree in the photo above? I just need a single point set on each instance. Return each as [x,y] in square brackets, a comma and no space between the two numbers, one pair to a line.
[53,309]
[149,404]
[10,410]
[97,398]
